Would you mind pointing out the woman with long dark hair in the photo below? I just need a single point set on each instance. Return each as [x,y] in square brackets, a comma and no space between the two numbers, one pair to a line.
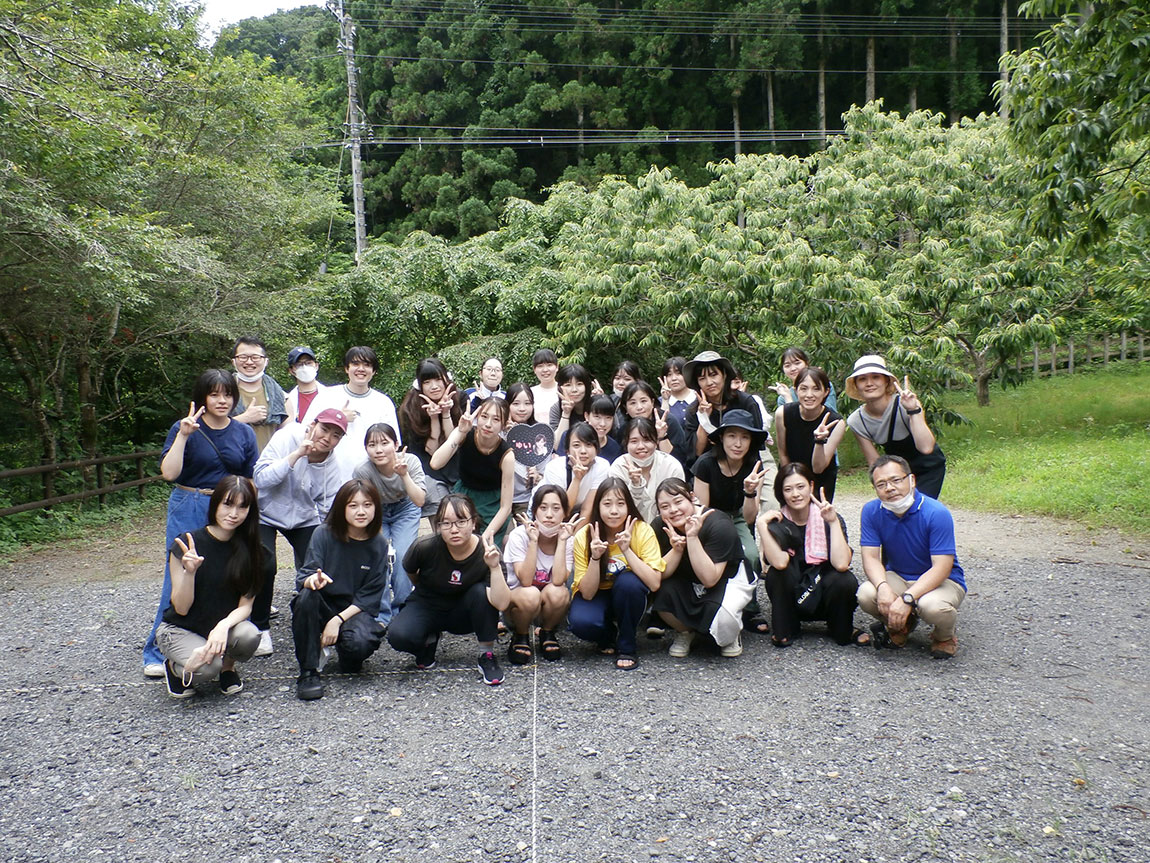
[574,398]
[711,376]
[216,572]
[428,414]
[808,432]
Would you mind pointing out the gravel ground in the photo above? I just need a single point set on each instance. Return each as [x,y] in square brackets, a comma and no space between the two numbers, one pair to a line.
[1032,744]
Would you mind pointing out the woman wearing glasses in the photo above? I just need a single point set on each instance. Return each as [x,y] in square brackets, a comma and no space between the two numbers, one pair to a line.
[459,588]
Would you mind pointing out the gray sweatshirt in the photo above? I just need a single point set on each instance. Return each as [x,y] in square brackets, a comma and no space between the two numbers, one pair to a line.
[299,495]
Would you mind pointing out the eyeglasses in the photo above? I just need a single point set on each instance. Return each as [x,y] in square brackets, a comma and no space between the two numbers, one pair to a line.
[249,358]
[884,484]
[451,525]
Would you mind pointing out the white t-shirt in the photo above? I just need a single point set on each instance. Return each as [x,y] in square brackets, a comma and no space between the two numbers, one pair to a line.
[372,407]
[663,467]
[556,473]
[544,399]
[516,552]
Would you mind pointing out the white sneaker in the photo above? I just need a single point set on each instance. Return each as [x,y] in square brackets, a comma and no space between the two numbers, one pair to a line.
[735,648]
[154,669]
[265,648]
[681,644]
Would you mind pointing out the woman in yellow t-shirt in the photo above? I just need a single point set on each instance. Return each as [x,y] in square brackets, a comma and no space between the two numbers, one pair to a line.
[617,564]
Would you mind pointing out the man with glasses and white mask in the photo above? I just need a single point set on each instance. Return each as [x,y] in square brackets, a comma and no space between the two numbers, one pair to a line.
[910,562]
[262,401]
[303,366]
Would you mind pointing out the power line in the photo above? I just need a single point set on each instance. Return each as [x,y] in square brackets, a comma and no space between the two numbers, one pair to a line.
[611,139]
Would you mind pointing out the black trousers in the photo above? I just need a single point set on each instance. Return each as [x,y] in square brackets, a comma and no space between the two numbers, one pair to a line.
[359,637]
[298,537]
[421,618]
[836,604]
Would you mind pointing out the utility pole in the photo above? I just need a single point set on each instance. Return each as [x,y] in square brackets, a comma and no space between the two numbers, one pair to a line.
[355,122]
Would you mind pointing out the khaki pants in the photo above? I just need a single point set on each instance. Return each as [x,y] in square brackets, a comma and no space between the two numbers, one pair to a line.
[178,645]
[939,607]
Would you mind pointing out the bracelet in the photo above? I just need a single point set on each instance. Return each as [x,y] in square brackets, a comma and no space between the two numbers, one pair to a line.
[341,618]
[749,495]
[911,413]
[821,441]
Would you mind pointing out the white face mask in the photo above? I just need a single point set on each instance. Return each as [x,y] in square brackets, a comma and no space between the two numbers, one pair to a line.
[305,374]
[545,530]
[644,462]
[249,379]
[900,506]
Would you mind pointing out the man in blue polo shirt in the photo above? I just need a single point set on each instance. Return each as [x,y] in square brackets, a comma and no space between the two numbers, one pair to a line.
[909,560]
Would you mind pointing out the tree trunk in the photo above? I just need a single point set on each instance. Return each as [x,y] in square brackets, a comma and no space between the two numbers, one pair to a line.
[912,98]
[870,69]
[35,404]
[89,428]
[771,102]
[736,125]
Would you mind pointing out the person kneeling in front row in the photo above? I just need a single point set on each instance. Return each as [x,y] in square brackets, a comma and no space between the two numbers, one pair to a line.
[341,587]
[921,577]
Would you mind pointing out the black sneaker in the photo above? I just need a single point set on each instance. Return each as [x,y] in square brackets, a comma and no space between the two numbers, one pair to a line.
[309,686]
[176,687]
[490,668]
[425,659]
[230,683]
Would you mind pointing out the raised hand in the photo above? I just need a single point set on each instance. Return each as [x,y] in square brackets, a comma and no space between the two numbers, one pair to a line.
[431,407]
[190,560]
[318,580]
[254,414]
[448,401]
[401,462]
[754,480]
[566,405]
[660,424]
[767,516]
[907,396]
[634,472]
[567,528]
[597,545]
[466,422]
[623,537]
[781,389]
[578,470]
[823,430]
[704,406]
[826,508]
[532,527]
[596,387]
[693,526]
[305,444]
[664,389]
[490,552]
[190,423]
[678,540]
[350,413]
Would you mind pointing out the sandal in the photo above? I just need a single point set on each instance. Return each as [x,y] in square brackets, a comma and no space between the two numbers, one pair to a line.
[606,649]
[860,638]
[519,652]
[780,642]
[549,645]
[626,662]
[756,622]
[881,637]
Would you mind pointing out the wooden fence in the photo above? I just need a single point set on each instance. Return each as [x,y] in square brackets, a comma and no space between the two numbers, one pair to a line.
[1077,354]
[101,491]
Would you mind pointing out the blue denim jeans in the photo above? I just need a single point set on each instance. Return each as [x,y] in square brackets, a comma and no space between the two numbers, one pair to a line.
[187,512]
[401,529]
[611,616]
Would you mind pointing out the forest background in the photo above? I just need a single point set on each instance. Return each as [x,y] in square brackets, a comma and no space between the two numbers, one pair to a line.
[947,184]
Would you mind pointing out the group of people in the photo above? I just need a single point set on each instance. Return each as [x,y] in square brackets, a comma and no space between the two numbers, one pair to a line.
[536,507]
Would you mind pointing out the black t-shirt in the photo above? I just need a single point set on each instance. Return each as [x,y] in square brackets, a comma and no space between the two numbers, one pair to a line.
[478,470]
[726,491]
[720,541]
[214,596]
[792,538]
[439,574]
[801,435]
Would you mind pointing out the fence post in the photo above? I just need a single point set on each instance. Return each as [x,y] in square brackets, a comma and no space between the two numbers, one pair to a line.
[100,483]
[1053,358]
[1141,347]
[1123,354]
[1089,350]
[140,475]
[1070,361]
[1036,360]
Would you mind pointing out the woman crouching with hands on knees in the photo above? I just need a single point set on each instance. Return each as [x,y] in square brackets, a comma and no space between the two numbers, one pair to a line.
[216,573]
[459,587]
[807,561]
[538,558]
[617,564]
[706,582]
[341,587]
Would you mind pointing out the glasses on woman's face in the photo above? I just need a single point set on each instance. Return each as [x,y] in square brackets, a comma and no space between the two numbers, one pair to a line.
[461,524]
[887,484]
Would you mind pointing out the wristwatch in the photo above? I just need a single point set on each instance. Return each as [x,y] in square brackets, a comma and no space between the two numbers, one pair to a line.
[909,599]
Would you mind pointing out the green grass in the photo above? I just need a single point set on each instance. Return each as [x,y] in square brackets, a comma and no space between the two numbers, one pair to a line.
[1074,447]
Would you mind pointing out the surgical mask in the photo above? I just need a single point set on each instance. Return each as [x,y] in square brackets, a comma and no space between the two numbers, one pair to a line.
[546,530]
[305,374]
[644,462]
[900,506]
[249,379]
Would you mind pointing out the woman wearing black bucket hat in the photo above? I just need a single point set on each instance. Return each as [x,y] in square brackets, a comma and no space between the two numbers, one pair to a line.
[892,417]
[710,375]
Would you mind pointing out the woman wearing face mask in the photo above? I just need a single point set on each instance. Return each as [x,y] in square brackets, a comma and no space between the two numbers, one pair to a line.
[706,581]
[341,588]
[574,398]
[891,417]
[710,375]
[398,477]
[486,465]
[304,367]
[617,564]
[538,559]
[581,472]
[676,397]
[803,539]
[793,361]
[644,466]
[216,573]
[639,401]
[808,432]
[429,413]
[200,450]
[459,587]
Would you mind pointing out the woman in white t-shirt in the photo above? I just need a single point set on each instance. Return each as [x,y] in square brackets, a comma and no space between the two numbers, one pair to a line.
[581,471]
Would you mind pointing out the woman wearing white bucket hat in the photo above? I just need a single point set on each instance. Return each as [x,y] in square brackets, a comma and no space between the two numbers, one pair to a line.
[892,417]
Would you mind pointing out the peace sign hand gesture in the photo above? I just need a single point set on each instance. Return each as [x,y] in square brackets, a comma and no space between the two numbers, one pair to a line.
[634,472]
[597,545]
[189,423]
[660,424]
[596,387]
[693,526]
[567,528]
[578,471]
[664,389]
[781,389]
[305,443]
[466,422]
[704,406]
[678,541]
[490,552]
[623,537]
[826,508]
[754,480]
[822,432]
[432,407]
[189,559]
[532,527]
[401,462]
[907,395]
